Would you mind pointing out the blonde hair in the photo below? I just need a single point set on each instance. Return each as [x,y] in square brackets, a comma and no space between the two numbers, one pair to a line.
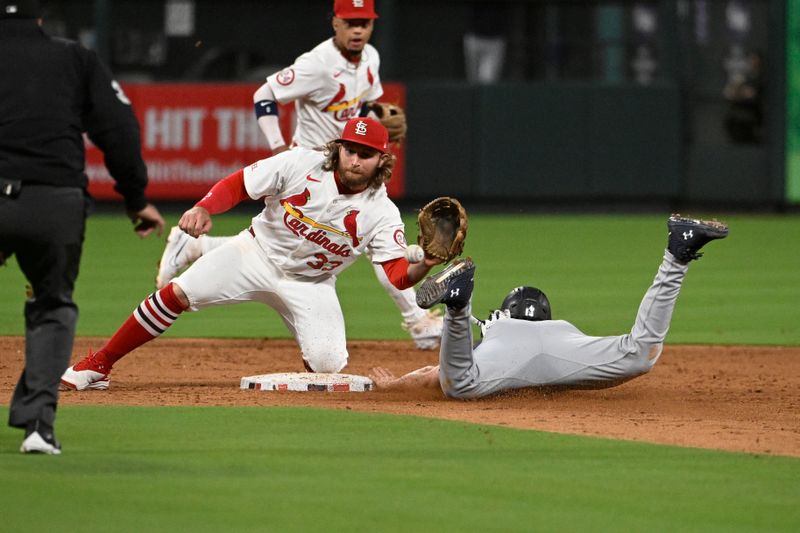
[382,175]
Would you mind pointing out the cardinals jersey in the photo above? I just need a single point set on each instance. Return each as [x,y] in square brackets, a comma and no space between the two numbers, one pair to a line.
[327,89]
[308,228]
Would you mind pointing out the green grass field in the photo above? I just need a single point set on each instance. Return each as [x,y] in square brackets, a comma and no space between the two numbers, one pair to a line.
[267,469]
[594,269]
[252,469]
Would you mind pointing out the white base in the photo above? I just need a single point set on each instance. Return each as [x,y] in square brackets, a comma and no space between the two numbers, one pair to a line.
[308,382]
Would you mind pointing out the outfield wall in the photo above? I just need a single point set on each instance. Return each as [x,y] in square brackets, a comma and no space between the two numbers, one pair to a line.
[194,134]
[506,142]
[564,141]
[578,142]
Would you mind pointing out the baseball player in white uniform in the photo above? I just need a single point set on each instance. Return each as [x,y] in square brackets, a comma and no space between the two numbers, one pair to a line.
[322,210]
[522,346]
[331,84]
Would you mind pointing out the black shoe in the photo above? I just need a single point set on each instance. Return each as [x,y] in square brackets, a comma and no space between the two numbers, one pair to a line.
[688,235]
[39,438]
[452,286]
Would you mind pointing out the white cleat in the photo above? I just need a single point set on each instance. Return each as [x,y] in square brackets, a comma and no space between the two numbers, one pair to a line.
[426,330]
[180,251]
[35,443]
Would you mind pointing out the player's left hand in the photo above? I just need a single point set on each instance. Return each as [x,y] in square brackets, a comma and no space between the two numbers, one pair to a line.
[383,378]
[494,317]
[392,117]
[442,225]
[431,261]
[196,221]
[425,377]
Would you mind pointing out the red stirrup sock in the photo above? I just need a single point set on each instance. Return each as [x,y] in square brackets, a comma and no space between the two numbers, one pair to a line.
[152,318]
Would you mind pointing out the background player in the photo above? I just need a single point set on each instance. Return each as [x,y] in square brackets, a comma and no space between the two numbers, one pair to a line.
[335,81]
[51,91]
[523,347]
[322,210]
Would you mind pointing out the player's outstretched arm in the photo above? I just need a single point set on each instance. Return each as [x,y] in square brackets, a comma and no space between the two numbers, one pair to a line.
[417,271]
[404,275]
[425,377]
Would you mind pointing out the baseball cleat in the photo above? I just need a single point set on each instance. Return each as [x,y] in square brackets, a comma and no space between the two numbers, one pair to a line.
[426,330]
[180,251]
[452,286]
[88,373]
[688,235]
[40,439]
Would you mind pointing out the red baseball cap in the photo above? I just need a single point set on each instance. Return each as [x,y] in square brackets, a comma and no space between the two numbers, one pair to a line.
[366,131]
[354,9]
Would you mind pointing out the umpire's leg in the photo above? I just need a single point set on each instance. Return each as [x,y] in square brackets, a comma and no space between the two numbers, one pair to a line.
[49,255]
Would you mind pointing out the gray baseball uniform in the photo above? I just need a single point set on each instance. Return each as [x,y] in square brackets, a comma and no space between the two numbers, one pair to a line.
[519,353]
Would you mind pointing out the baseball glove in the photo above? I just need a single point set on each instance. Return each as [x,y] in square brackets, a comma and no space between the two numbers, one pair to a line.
[393,119]
[442,225]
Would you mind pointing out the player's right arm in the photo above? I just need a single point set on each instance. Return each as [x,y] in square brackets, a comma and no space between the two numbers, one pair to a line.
[292,83]
[255,181]
[225,194]
[267,117]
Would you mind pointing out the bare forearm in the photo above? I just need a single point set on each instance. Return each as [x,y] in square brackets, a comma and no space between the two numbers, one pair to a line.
[267,118]
[425,377]
[417,271]
[404,275]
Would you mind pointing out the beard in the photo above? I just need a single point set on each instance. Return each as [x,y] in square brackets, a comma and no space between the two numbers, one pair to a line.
[354,180]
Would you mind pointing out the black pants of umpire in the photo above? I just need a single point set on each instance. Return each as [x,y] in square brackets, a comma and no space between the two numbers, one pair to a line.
[43,226]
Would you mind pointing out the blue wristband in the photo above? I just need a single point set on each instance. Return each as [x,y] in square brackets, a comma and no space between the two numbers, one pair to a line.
[266,107]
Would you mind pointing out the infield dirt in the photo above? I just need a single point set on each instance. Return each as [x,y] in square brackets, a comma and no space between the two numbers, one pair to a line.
[737,398]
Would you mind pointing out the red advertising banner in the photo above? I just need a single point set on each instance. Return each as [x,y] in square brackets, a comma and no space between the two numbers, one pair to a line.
[195,134]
